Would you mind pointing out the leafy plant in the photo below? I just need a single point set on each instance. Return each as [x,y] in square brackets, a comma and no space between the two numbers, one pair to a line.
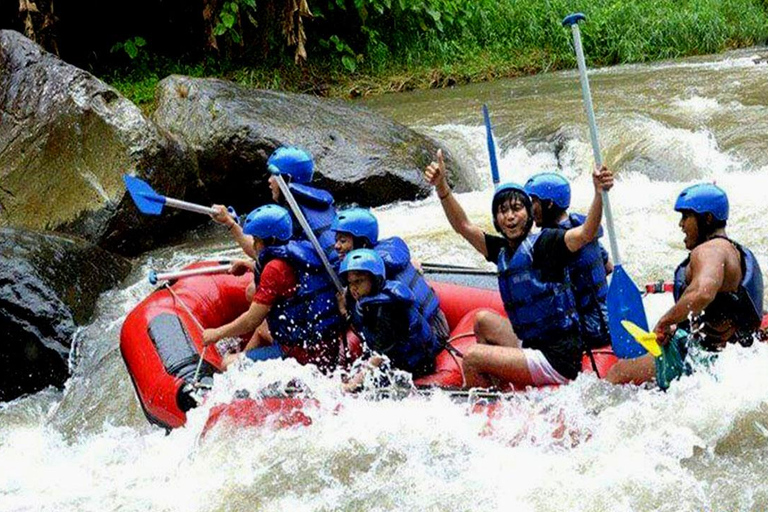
[229,18]
[130,46]
[340,48]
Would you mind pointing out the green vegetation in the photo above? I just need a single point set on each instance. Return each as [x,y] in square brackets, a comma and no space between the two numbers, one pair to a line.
[362,47]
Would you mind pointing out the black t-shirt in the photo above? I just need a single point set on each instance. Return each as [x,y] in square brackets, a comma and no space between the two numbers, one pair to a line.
[551,256]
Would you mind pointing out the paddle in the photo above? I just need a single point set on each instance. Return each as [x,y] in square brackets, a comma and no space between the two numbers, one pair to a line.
[307,230]
[624,300]
[155,277]
[670,361]
[491,146]
[440,268]
[644,338]
[150,202]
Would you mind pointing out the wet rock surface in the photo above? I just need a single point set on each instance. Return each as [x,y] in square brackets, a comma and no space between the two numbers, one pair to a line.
[66,139]
[360,156]
[49,285]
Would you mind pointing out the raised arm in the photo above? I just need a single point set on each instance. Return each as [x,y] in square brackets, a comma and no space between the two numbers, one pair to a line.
[580,236]
[435,174]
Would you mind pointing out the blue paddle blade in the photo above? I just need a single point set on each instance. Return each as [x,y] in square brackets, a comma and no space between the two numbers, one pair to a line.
[574,18]
[624,303]
[147,200]
[491,146]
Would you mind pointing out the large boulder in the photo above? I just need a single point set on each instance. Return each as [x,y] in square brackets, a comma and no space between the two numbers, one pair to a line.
[48,286]
[66,139]
[360,156]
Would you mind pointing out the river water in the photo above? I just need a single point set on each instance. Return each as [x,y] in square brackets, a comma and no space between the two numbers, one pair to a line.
[587,447]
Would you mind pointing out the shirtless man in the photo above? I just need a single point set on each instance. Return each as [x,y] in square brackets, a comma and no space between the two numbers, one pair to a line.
[718,289]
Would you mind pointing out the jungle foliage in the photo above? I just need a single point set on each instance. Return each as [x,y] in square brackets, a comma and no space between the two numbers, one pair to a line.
[352,47]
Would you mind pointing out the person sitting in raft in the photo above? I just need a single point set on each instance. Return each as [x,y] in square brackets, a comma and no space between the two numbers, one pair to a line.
[718,291]
[357,228]
[538,343]
[387,316]
[295,295]
[354,228]
[297,168]
[550,195]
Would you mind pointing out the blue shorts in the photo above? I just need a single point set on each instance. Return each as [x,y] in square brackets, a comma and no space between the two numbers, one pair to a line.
[265,353]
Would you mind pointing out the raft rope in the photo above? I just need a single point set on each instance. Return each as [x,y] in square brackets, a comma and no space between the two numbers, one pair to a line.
[196,378]
[454,352]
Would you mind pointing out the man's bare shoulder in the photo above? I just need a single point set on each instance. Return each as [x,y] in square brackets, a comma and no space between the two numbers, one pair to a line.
[713,248]
[718,251]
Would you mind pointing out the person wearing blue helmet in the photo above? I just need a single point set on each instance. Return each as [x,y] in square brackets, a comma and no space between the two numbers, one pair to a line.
[357,228]
[386,314]
[588,268]
[354,228]
[297,168]
[538,343]
[294,295]
[718,291]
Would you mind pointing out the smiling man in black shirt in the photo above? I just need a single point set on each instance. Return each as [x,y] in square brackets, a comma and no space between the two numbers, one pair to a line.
[538,343]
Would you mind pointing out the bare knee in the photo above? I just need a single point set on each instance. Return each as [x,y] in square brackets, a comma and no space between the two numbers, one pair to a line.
[484,323]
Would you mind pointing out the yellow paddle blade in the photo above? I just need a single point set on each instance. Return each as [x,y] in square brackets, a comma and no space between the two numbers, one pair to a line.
[646,339]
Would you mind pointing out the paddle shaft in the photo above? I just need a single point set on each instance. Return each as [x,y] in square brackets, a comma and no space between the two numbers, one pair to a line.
[437,269]
[190,207]
[155,277]
[491,146]
[587,95]
[308,231]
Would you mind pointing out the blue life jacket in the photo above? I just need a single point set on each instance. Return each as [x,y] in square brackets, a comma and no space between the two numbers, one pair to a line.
[590,287]
[744,307]
[397,260]
[415,354]
[311,315]
[317,206]
[540,311]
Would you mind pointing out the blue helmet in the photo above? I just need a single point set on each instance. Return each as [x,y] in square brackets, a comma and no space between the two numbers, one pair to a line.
[293,162]
[269,221]
[704,198]
[363,260]
[550,186]
[358,222]
[511,187]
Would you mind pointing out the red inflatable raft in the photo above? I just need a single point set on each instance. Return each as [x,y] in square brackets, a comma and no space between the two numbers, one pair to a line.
[161,339]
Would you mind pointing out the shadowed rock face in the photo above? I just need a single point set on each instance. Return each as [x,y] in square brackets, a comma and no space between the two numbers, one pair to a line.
[66,139]
[360,156]
[48,285]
